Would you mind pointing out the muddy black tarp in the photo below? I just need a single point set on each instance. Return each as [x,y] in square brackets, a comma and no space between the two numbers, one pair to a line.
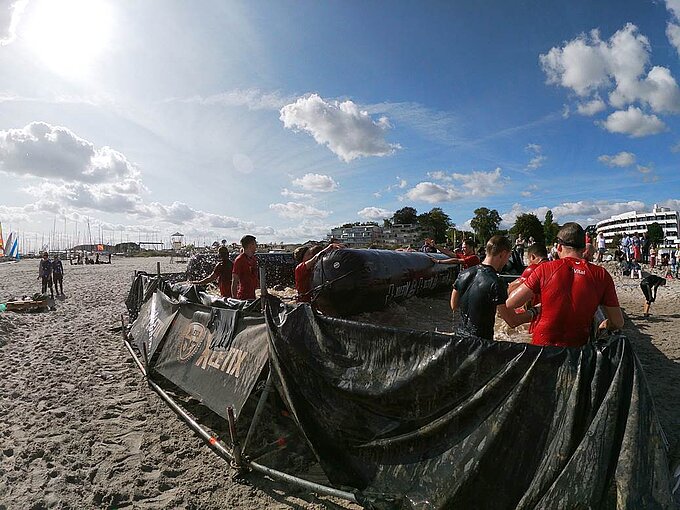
[440,421]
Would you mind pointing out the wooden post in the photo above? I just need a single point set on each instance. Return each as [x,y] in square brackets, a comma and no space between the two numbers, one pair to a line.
[158,269]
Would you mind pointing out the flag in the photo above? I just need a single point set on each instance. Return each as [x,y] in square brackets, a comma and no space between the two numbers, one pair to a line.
[2,244]
[14,247]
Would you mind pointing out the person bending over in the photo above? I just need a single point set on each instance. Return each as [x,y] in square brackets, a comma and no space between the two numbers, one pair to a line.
[306,258]
[649,286]
[467,260]
[58,275]
[479,293]
[571,290]
[245,277]
[221,273]
[45,274]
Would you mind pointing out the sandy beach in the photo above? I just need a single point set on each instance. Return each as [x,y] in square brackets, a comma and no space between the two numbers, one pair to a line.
[80,429]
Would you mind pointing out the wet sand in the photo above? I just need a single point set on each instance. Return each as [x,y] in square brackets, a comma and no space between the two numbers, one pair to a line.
[80,429]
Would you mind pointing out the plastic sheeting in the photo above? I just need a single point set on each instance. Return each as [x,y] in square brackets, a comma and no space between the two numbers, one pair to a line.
[423,420]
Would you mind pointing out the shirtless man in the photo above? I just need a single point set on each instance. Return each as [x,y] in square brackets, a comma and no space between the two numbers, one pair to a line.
[479,293]
[571,290]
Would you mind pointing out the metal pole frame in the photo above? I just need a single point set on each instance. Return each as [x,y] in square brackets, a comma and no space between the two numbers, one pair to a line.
[218,447]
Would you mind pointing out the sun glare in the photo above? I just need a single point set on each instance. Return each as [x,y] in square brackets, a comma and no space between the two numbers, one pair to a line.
[69,35]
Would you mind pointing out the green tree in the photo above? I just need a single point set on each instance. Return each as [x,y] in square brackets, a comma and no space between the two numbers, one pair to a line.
[435,224]
[529,226]
[616,240]
[550,228]
[655,233]
[485,223]
[405,216]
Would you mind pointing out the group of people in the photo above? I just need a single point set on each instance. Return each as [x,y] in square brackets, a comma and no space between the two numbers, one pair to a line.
[238,279]
[51,273]
[561,296]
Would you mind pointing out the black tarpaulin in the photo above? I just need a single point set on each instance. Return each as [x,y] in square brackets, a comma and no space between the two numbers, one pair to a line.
[214,355]
[438,421]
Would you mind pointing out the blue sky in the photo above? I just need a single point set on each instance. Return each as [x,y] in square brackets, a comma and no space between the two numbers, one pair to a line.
[284,119]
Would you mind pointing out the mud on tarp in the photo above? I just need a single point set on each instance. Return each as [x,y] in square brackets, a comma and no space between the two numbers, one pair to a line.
[438,421]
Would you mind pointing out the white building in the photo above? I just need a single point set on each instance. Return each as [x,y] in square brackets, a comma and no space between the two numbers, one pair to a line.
[363,236]
[358,236]
[637,222]
[403,235]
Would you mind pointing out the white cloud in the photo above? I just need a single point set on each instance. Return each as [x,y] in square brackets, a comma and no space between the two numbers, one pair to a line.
[253,99]
[633,122]
[285,192]
[590,108]
[529,191]
[439,175]
[347,131]
[316,182]
[42,150]
[304,231]
[476,183]
[375,213]
[673,26]
[588,64]
[294,210]
[481,184]
[433,193]
[10,15]
[536,162]
[622,159]
[538,159]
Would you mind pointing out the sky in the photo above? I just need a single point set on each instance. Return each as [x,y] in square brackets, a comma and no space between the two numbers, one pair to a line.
[284,119]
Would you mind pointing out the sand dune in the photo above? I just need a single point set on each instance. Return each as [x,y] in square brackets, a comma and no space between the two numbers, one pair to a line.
[80,429]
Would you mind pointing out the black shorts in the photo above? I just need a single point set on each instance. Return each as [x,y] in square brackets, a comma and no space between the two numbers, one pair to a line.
[647,291]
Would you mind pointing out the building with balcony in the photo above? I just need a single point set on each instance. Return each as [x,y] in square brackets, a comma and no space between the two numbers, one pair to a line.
[634,222]
[358,236]
[399,235]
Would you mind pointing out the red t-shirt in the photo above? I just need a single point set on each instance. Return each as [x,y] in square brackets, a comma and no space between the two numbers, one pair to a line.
[303,282]
[469,261]
[246,269]
[224,270]
[571,290]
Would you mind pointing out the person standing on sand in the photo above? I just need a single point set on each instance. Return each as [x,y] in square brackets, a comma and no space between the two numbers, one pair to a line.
[571,291]
[479,293]
[58,275]
[652,257]
[245,277]
[45,274]
[221,273]
[601,247]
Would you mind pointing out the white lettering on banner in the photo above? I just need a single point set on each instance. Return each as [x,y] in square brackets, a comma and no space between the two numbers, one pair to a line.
[228,361]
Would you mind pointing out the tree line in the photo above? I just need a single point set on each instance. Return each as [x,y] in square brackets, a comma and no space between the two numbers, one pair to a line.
[485,224]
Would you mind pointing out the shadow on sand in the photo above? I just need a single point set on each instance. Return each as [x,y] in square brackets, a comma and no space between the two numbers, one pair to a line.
[663,376]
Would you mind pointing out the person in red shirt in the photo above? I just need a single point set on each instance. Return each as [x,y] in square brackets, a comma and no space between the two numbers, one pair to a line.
[221,273]
[467,259]
[307,257]
[571,290]
[245,277]
[537,254]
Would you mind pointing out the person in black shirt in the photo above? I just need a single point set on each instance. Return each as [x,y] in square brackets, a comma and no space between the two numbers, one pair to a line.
[45,274]
[649,286]
[58,275]
[479,293]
